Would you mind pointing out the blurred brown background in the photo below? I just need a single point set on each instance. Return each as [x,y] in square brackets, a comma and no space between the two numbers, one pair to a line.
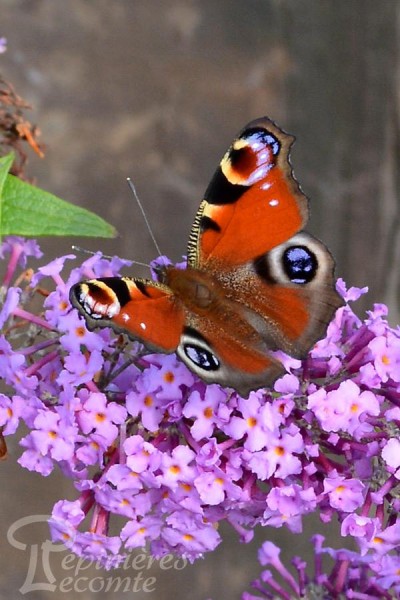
[156,89]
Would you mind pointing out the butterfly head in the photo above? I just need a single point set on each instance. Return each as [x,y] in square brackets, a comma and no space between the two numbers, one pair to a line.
[160,273]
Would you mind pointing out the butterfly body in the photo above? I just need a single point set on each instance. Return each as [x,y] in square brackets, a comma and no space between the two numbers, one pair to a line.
[255,282]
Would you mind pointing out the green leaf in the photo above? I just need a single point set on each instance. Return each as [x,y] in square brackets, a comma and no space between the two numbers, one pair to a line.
[29,211]
[5,166]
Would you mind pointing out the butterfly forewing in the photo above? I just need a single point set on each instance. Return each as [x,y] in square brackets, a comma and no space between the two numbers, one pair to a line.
[143,309]
[253,202]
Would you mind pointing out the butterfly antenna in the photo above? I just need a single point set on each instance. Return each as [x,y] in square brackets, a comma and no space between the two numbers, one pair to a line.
[133,190]
[91,253]
[86,251]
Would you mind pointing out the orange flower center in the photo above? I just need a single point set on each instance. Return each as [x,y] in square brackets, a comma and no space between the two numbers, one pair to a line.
[169,377]
[148,401]
[208,412]
[251,422]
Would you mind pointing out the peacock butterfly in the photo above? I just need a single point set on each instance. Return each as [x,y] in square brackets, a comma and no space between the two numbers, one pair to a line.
[254,282]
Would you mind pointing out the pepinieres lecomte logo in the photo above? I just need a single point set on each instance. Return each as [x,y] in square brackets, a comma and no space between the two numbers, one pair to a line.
[78,575]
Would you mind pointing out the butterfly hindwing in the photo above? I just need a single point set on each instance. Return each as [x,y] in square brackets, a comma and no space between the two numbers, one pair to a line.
[291,290]
[218,355]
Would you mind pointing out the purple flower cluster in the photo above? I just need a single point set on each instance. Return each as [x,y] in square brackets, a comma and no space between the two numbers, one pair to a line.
[142,438]
[351,575]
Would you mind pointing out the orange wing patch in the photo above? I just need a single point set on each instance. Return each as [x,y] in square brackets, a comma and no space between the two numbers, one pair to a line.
[154,318]
[263,218]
